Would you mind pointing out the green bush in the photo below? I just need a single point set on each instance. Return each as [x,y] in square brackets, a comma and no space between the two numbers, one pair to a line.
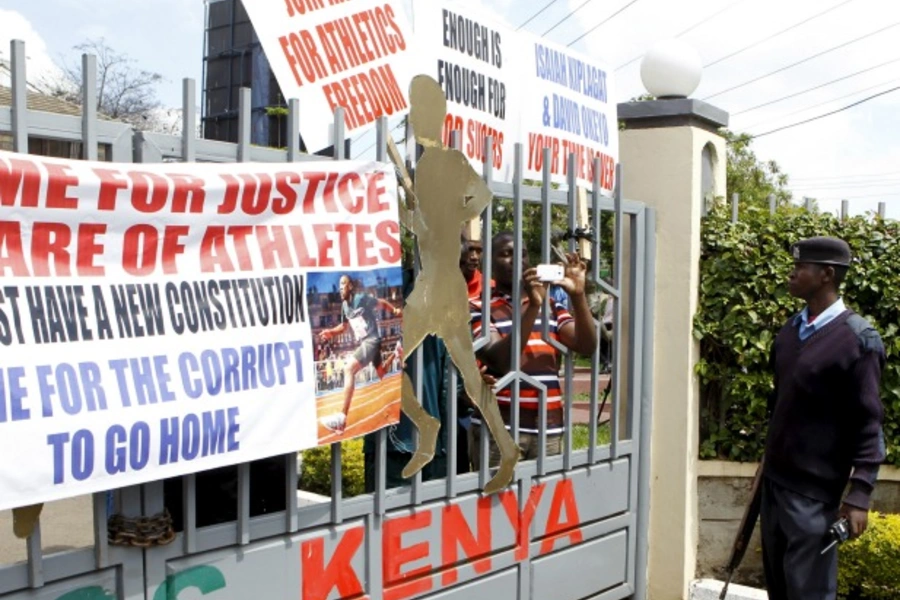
[869,567]
[315,469]
[744,301]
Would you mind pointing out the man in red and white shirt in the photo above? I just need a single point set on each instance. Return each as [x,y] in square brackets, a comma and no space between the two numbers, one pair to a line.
[575,329]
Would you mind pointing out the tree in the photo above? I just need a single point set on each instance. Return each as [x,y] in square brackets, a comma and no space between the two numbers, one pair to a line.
[125,92]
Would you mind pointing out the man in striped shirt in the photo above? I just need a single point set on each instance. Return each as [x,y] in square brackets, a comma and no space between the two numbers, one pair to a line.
[575,329]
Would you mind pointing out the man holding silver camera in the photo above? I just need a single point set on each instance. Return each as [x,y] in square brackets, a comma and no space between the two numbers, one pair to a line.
[575,329]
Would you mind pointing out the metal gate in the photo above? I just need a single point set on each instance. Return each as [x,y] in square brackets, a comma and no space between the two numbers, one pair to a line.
[569,527]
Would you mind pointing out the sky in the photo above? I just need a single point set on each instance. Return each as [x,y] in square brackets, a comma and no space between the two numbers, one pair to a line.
[846,49]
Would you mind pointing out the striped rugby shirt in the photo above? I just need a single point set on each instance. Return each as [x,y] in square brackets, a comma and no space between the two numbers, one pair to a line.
[540,360]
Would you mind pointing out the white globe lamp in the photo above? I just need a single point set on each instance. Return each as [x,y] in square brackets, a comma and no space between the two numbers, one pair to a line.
[671,69]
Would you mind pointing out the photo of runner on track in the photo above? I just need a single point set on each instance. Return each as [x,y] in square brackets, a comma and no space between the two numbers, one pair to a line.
[360,345]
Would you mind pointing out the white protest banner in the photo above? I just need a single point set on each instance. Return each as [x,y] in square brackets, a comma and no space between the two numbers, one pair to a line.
[157,320]
[468,55]
[569,107]
[329,54]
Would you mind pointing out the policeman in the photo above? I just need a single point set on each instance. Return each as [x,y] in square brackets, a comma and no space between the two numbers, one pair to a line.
[825,420]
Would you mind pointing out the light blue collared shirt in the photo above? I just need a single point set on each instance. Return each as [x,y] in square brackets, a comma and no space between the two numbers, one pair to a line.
[826,317]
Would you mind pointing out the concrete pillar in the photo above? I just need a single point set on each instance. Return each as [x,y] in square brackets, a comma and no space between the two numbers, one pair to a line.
[673,159]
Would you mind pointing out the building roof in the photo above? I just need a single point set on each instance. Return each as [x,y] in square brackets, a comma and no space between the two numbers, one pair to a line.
[42,102]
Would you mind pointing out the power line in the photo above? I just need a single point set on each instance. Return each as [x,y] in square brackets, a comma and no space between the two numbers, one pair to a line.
[532,17]
[567,17]
[821,85]
[601,23]
[774,35]
[849,185]
[800,62]
[686,31]
[859,197]
[808,108]
[886,173]
[828,114]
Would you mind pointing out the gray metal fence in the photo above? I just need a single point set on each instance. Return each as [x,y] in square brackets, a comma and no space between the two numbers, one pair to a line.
[570,526]
[735,203]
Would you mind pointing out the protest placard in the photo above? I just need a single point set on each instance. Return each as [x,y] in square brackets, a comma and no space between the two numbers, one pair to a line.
[329,54]
[570,107]
[157,320]
[472,58]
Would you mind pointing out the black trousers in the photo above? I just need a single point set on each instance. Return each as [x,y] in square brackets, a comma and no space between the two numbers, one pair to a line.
[794,532]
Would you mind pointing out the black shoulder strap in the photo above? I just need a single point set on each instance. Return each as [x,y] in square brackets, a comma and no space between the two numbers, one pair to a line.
[868,338]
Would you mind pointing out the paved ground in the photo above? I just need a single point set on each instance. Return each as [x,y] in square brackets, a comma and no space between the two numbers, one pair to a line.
[65,525]
[581,384]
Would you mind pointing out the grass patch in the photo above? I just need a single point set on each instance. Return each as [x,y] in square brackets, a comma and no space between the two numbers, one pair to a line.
[581,436]
[582,361]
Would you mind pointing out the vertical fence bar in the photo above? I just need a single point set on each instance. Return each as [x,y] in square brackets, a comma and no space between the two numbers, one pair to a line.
[735,199]
[244,122]
[243,537]
[293,130]
[101,535]
[381,143]
[339,133]
[486,237]
[188,120]
[636,309]
[19,97]
[633,410]
[594,407]
[419,387]
[243,155]
[452,409]
[487,275]
[616,372]
[646,406]
[882,208]
[546,257]
[547,227]
[189,507]
[569,356]
[453,434]
[456,139]
[772,204]
[290,501]
[337,513]
[292,463]
[515,363]
[35,557]
[845,209]
[89,107]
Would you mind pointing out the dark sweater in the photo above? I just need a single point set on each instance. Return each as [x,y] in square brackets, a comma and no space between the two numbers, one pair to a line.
[826,411]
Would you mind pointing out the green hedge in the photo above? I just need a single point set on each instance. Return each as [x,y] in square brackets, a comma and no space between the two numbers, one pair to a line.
[744,301]
[315,469]
[869,567]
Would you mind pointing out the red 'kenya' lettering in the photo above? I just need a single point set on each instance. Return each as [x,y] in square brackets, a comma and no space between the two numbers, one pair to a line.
[319,579]
[411,568]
